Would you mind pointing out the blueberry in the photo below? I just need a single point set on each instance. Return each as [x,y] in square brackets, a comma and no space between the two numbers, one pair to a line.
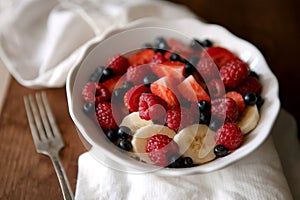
[124,132]
[175,161]
[175,57]
[253,74]
[88,108]
[96,75]
[203,106]
[118,94]
[189,68]
[204,118]
[207,43]
[220,150]
[125,145]
[162,51]
[149,79]
[161,43]
[107,73]
[127,85]
[250,98]
[260,101]
[111,135]
[187,162]
[196,45]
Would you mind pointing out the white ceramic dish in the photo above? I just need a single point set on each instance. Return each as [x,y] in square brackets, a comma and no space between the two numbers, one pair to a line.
[135,36]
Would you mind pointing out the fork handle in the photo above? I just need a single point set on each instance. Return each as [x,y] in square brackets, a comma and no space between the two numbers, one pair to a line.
[63,181]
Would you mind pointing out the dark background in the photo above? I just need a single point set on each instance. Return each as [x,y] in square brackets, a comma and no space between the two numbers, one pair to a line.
[273,26]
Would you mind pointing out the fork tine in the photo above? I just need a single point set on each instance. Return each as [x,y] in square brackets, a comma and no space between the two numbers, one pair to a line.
[50,116]
[32,126]
[37,119]
[43,115]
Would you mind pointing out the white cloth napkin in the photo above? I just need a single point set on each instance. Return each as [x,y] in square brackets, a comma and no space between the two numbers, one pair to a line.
[41,40]
[257,176]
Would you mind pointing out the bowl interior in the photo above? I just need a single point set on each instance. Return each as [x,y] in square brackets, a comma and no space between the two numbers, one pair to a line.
[132,37]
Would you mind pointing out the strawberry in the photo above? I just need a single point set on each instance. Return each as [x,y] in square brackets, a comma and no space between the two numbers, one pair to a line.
[192,90]
[118,64]
[152,107]
[207,69]
[158,58]
[110,84]
[141,57]
[239,100]
[250,84]
[165,89]
[224,109]
[219,55]
[178,118]
[229,135]
[132,97]
[233,73]
[172,69]
[105,116]
[94,92]
[160,148]
[136,74]
[179,47]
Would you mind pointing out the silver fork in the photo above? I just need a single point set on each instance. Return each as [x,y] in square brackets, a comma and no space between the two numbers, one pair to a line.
[46,136]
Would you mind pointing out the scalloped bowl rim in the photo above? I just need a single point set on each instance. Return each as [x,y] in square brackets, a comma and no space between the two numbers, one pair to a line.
[244,49]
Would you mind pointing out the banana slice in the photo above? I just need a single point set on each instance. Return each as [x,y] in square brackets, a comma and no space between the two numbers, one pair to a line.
[196,141]
[139,139]
[134,122]
[249,119]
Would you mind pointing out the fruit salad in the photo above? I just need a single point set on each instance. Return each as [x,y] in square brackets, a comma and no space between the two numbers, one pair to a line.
[174,104]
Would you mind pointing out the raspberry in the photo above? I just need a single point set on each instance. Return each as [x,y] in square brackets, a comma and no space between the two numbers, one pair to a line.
[118,64]
[250,84]
[105,117]
[95,93]
[158,58]
[136,74]
[207,69]
[233,73]
[216,88]
[229,135]
[239,100]
[152,107]
[132,97]
[178,118]
[160,148]
[224,109]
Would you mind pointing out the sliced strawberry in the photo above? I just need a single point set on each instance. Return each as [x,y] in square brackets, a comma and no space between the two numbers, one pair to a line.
[132,97]
[141,57]
[219,55]
[192,90]
[172,69]
[165,89]
[239,100]
[111,83]
[179,47]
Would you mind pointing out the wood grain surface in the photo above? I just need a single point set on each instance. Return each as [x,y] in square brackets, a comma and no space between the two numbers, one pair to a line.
[271,25]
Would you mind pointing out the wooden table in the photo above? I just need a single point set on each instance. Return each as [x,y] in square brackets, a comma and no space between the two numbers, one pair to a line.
[271,25]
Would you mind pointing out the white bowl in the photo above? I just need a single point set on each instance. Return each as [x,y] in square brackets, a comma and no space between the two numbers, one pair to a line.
[132,37]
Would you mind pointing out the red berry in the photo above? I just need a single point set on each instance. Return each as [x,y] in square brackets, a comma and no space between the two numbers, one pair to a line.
[229,135]
[132,97]
[179,117]
[239,100]
[141,57]
[94,92]
[105,116]
[111,83]
[224,109]
[233,73]
[207,69]
[136,74]
[158,58]
[160,148]
[118,64]
[216,88]
[152,107]
[250,84]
